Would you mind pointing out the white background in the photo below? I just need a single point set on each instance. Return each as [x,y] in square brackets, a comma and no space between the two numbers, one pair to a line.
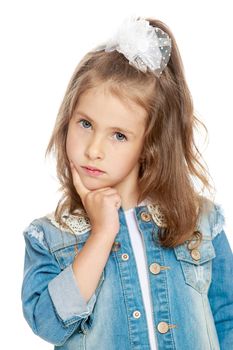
[41,43]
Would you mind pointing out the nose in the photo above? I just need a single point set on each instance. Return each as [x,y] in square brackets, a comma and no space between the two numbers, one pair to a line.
[94,148]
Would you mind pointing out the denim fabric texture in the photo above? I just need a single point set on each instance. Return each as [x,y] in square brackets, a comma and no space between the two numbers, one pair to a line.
[192,297]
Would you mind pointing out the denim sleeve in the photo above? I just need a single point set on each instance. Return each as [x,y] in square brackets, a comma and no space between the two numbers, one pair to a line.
[221,290]
[52,304]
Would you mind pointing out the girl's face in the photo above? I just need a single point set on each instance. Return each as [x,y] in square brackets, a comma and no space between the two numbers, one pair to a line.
[106,134]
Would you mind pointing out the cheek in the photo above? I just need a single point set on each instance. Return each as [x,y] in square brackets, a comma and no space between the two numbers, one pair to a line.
[126,158]
[73,146]
[133,153]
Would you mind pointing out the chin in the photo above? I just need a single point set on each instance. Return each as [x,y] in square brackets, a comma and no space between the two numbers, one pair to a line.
[92,184]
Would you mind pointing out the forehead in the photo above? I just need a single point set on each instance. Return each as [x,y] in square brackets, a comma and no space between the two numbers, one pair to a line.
[102,105]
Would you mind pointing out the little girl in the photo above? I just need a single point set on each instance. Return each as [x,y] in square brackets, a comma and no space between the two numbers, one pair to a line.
[134,256]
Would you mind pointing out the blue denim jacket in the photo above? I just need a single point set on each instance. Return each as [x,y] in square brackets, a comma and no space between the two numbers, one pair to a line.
[192,297]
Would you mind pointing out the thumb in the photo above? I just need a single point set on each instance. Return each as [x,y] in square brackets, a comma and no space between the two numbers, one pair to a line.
[78,184]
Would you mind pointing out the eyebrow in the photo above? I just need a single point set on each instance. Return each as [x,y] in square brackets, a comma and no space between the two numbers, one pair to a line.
[111,128]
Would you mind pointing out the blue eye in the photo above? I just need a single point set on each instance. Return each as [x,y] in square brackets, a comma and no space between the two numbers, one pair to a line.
[124,137]
[84,121]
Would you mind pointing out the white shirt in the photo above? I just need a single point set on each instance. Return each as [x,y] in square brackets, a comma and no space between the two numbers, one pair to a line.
[138,248]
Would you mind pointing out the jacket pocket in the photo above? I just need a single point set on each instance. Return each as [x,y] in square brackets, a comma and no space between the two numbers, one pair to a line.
[196,264]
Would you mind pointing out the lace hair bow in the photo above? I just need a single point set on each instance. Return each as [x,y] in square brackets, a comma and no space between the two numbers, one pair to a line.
[142,44]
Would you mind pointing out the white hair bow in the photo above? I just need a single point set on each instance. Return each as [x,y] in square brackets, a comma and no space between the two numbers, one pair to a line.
[142,44]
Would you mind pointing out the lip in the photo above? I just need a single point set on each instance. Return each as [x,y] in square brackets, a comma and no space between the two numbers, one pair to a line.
[93,172]
[92,168]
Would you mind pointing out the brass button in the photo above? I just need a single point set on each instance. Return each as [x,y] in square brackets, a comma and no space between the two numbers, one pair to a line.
[193,244]
[137,314]
[155,268]
[116,246]
[145,216]
[195,254]
[125,257]
[162,327]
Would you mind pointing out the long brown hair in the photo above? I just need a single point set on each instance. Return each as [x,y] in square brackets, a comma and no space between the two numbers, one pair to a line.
[170,160]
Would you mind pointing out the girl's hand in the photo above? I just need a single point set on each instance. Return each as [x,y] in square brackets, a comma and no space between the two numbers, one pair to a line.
[101,205]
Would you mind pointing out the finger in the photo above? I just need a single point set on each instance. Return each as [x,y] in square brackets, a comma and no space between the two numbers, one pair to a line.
[81,189]
[118,200]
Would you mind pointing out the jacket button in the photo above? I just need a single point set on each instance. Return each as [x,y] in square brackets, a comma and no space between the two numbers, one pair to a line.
[145,216]
[125,257]
[193,244]
[116,246]
[162,327]
[155,268]
[137,314]
[195,254]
